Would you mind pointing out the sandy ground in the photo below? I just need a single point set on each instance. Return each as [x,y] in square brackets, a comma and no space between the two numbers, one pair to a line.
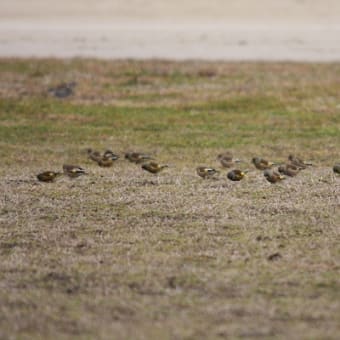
[217,29]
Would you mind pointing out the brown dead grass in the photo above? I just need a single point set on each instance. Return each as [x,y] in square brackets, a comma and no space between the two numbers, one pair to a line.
[123,254]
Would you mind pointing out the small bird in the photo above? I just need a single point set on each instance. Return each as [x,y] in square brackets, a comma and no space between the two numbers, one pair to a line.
[206,172]
[63,90]
[272,176]
[73,171]
[110,154]
[298,162]
[289,170]
[153,167]
[226,159]
[136,157]
[94,155]
[336,168]
[261,163]
[105,162]
[236,175]
[48,176]
[107,159]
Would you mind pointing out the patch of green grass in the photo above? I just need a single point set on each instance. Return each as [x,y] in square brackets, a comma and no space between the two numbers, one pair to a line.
[210,125]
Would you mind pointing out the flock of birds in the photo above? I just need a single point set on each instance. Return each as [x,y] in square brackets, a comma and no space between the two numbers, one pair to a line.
[288,169]
[106,159]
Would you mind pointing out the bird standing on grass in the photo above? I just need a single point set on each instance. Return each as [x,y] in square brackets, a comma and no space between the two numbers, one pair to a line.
[94,155]
[236,175]
[107,159]
[48,176]
[226,159]
[105,162]
[206,172]
[73,171]
[136,157]
[262,164]
[289,170]
[272,176]
[298,162]
[336,168]
[63,90]
[153,167]
[110,154]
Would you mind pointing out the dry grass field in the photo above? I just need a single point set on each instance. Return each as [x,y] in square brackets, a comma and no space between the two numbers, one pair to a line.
[123,254]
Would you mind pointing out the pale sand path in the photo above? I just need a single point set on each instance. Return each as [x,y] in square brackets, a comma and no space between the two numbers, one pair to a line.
[296,30]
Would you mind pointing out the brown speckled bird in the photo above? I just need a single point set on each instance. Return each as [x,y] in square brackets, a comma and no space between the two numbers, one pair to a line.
[272,176]
[206,172]
[73,171]
[261,163]
[226,159]
[236,175]
[105,162]
[94,155]
[298,162]
[153,167]
[289,170]
[110,154]
[336,168]
[136,157]
[48,176]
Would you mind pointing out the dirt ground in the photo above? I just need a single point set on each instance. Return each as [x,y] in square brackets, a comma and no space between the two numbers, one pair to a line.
[229,30]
